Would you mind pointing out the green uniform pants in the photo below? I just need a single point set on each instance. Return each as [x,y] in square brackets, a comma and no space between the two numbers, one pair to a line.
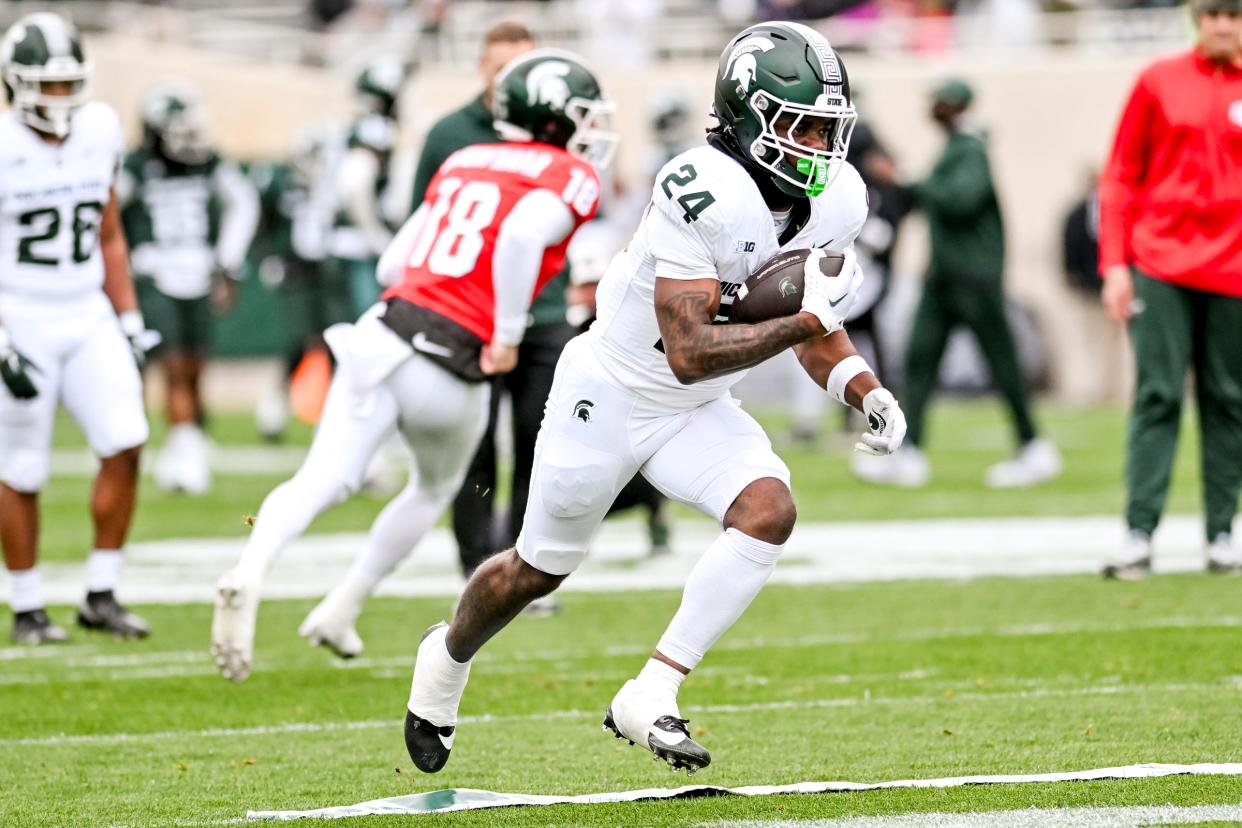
[184,325]
[1176,329]
[981,308]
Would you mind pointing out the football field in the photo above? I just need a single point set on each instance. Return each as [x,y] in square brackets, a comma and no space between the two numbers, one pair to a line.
[864,681]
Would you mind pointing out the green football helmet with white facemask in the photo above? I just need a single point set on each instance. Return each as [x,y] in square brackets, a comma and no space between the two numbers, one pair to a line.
[174,124]
[40,49]
[550,96]
[783,103]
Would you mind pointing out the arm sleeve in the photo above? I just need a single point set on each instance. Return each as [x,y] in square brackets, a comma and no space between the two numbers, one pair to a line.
[538,221]
[960,187]
[355,182]
[239,219]
[392,263]
[1124,176]
[680,253]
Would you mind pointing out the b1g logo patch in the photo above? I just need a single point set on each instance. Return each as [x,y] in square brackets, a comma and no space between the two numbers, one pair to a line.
[1235,113]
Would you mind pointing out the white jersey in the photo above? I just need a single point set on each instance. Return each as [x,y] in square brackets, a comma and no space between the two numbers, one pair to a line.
[52,200]
[706,220]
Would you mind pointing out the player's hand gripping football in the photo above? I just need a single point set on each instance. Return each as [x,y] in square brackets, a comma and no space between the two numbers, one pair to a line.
[886,422]
[140,339]
[497,358]
[830,298]
[15,370]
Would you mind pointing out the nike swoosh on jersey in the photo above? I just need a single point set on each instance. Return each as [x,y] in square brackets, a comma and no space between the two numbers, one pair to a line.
[426,346]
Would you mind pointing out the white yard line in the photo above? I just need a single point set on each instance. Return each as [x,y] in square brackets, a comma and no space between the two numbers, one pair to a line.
[182,571]
[1026,818]
[865,700]
[465,799]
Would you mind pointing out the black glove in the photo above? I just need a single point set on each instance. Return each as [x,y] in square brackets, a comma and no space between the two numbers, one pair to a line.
[15,370]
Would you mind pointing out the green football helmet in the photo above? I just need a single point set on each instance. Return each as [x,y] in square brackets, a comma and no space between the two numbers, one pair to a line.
[378,87]
[174,124]
[777,82]
[550,96]
[44,48]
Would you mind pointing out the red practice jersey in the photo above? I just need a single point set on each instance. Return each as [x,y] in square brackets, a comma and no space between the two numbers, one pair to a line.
[448,268]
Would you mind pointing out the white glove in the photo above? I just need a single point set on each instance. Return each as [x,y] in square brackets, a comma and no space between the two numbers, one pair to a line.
[140,339]
[829,298]
[886,421]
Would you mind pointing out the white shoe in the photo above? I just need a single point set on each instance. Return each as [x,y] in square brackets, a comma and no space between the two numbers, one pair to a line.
[1036,462]
[271,415]
[232,625]
[1132,561]
[331,623]
[907,467]
[166,471]
[194,466]
[1222,557]
[655,724]
[544,607]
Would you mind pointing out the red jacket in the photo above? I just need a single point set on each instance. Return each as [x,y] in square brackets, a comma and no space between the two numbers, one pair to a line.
[1171,196]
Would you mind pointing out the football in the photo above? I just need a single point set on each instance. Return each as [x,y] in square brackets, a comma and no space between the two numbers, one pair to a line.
[775,289]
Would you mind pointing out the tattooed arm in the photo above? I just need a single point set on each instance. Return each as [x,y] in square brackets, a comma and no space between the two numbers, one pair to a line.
[820,356]
[697,350]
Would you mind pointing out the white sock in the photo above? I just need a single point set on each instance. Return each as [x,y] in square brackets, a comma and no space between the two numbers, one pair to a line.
[103,569]
[720,588]
[26,590]
[398,529]
[660,680]
[439,680]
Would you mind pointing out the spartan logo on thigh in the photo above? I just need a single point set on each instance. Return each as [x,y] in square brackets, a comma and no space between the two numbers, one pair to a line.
[582,410]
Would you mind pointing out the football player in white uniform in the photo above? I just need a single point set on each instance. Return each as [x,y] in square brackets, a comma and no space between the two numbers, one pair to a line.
[70,329]
[647,387]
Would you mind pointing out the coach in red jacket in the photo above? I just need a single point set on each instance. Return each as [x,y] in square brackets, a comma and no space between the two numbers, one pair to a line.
[1171,255]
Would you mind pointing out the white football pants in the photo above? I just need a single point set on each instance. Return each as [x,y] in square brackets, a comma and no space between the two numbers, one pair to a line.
[440,418]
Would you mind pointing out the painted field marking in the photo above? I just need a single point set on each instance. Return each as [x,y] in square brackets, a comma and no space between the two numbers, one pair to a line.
[553,715]
[1127,817]
[466,799]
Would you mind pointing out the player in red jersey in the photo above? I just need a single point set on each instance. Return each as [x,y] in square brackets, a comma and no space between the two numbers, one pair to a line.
[462,272]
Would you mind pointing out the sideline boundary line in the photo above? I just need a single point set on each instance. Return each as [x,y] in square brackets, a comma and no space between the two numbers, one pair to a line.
[467,799]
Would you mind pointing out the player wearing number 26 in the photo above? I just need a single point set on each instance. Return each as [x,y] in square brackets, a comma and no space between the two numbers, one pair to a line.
[647,388]
[70,331]
[461,272]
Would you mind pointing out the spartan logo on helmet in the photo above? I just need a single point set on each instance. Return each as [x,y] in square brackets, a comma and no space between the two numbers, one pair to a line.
[546,83]
[550,96]
[741,66]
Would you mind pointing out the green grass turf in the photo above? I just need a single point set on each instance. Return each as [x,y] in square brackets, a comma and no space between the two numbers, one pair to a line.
[965,438]
[882,681]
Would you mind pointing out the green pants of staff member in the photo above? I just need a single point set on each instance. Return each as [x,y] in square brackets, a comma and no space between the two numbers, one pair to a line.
[1178,329]
[981,308]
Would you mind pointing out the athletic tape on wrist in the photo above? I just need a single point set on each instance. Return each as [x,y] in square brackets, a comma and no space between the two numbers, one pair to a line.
[842,373]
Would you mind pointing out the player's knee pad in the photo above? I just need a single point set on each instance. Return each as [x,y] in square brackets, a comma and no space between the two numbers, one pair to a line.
[575,481]
[124,431]
[24,470]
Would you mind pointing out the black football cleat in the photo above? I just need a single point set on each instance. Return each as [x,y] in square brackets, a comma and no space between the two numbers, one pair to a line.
[639,719]
[428,743]
[33,628]
[101,611]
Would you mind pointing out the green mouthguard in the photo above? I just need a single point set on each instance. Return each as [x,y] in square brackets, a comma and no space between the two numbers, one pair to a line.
[816,171]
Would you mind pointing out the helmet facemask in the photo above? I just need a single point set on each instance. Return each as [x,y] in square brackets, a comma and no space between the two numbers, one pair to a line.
[593,140]
[184,138]
[800,169]
[48,113]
